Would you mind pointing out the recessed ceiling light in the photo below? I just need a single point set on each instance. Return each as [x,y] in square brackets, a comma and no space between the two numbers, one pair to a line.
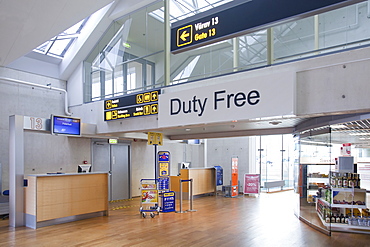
[275,122]
[187,129]
[359,134]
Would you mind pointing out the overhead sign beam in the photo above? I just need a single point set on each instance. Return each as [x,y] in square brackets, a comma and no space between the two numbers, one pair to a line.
[232,20]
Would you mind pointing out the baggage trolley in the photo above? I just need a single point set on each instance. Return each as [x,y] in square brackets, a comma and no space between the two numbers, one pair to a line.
[149,198]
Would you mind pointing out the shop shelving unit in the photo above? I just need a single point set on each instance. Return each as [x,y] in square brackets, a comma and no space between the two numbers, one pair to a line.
[346,201]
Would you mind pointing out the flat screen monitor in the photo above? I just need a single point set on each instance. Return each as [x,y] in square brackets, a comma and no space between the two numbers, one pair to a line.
[84,168]
[69,126]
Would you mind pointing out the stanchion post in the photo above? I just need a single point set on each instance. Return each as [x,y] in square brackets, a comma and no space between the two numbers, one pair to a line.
[191,197]
[181,198]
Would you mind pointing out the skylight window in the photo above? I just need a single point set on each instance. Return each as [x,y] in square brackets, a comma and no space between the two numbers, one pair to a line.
[59,45]
[185,8]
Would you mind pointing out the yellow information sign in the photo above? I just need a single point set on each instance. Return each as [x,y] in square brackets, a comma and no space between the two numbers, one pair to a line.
[155,138]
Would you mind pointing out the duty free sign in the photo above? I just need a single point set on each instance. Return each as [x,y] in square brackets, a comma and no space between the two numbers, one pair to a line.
[243,99]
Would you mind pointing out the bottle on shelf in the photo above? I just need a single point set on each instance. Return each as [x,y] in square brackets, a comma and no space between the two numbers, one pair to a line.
[350,180]
[346,220]
[337,219]
[333,179]
[332,219]
[339,180]
[365,221]
[342,219]
[345,180]
[358,181]
[360,221]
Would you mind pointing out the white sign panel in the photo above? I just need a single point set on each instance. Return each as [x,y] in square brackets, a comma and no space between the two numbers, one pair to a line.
[36,123]
[244,99]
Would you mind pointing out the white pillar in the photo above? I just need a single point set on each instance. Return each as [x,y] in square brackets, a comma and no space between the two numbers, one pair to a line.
[16,171]
[167,43]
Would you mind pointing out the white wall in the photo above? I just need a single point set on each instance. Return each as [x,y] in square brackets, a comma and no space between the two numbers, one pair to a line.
[221,151]
[342,87]
[43,152]
[75,86]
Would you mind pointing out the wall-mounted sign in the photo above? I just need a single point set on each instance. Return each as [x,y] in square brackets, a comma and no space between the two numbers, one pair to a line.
[235,19]
[135,105]
[242,99]
[36,123]
[113,141]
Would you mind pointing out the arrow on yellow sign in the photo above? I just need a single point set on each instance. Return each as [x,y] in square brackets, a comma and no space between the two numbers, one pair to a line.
[184,35]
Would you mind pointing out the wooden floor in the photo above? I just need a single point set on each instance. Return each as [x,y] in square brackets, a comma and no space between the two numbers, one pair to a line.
[267,220]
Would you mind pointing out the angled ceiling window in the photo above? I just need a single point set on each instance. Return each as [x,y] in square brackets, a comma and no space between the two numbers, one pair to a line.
[59,45]
[185,8]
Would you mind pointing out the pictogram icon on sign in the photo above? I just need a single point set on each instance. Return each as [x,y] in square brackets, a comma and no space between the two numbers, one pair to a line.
[147,97]
[154,109]
[139,99]
[108,104]
[154,95]
[185,35]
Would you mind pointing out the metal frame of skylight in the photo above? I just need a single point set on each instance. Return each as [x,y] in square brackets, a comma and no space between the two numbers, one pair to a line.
[62,36]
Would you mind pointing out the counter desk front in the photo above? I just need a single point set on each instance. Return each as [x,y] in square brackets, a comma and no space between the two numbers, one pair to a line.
[58,198]
[204,181]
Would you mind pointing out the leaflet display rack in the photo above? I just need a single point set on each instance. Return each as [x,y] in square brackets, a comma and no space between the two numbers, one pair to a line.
[149,197]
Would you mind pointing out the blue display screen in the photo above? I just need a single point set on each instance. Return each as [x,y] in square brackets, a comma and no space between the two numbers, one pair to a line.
[66,126]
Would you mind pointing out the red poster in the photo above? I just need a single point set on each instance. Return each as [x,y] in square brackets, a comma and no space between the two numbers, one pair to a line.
[251,183]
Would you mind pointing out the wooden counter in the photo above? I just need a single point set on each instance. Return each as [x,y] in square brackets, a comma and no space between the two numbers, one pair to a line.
[58,198]
[204,181]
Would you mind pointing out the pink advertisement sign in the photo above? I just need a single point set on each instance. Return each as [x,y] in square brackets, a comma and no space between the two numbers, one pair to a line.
[251,183]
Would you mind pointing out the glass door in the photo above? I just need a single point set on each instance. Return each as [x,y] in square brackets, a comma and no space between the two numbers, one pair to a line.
[274,161]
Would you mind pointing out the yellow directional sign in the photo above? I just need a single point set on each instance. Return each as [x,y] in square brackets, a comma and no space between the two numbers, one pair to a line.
[155,138]
[185,35]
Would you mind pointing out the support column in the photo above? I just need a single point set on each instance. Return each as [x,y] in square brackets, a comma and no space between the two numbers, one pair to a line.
[16,171]
[235,54]
[270,46]
[316,21]
[167,43]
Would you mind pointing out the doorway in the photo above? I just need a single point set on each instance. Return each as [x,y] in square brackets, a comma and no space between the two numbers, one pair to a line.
[115,160]
[275,159]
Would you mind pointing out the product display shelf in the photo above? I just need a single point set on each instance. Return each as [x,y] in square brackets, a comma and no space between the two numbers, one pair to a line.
[322,204]
[345,227]
[342,205]
[313,184]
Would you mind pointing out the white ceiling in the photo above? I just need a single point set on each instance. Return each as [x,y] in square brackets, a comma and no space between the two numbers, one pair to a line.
[25,24]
